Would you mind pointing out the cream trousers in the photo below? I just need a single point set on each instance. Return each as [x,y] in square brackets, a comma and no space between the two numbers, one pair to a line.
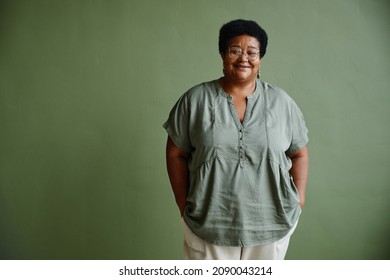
[198,249]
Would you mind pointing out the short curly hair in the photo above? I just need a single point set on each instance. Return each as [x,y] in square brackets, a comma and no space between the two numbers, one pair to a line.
[240,27]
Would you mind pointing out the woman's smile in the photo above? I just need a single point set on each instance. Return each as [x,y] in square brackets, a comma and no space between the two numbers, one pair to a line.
[242,66]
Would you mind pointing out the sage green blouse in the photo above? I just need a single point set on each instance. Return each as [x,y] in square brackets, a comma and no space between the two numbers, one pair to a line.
[241,192]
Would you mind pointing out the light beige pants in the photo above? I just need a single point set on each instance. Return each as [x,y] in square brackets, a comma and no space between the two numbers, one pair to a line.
[198,249]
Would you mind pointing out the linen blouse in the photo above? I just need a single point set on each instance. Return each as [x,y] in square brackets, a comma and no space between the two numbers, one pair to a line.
[241,192]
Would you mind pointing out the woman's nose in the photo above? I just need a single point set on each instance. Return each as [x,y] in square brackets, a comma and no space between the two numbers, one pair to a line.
[243,57]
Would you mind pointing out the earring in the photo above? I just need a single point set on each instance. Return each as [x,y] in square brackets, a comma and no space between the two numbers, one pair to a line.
[258,74]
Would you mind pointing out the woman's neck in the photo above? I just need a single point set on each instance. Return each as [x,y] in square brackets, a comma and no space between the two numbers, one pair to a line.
[243,89]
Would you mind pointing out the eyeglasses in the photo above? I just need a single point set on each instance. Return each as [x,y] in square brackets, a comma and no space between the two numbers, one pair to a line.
[236,52]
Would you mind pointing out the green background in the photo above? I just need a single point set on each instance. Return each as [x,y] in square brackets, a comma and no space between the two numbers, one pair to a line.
[86,85]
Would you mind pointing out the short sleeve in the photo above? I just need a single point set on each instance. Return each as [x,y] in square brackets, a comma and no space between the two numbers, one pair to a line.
[299,131]
[177,125]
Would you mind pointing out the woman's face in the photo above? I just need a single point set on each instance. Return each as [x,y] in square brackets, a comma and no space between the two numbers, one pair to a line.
[242,68]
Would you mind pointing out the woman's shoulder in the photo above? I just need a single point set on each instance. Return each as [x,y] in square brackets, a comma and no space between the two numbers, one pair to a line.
[275,93]
[202,90]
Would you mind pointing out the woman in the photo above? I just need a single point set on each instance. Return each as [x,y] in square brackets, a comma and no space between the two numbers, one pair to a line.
[237,157]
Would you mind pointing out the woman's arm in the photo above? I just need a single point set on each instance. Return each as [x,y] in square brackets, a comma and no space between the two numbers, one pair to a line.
[299,171]
[177,165]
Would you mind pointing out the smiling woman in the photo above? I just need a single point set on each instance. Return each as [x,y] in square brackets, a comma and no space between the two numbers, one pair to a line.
[237,157]
[241,63]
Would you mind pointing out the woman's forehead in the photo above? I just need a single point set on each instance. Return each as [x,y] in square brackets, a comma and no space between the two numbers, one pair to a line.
[244,40]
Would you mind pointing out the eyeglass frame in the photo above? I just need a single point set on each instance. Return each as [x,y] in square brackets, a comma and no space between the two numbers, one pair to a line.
[242,53]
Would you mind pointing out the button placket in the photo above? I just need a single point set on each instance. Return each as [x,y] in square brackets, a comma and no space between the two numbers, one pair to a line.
[241,148]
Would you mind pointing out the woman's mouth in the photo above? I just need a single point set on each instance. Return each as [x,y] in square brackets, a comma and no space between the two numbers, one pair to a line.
[243,67]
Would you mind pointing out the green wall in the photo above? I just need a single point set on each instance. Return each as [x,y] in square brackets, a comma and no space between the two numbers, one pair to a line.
[86,85]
